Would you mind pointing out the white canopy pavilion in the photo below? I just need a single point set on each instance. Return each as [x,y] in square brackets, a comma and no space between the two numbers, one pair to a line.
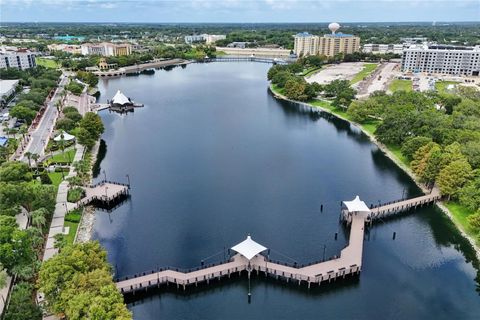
[356,205]
[120,99]
[64,136]
[248,248]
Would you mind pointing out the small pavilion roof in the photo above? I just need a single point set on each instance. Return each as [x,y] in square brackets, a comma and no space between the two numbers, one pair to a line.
[248,248]
[66,137]
[356,205]
[120,98]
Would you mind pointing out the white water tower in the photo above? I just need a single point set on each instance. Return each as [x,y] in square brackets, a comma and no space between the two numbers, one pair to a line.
[333,27]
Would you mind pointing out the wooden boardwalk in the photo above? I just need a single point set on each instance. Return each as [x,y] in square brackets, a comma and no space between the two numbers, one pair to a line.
[105,192]
[349,262]
[395,207]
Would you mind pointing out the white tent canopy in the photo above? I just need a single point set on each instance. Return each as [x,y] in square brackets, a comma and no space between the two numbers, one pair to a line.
[249,248]
[356,205]
[120,98]
[66,137]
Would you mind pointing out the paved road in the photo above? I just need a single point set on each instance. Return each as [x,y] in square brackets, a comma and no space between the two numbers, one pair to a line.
[41,135]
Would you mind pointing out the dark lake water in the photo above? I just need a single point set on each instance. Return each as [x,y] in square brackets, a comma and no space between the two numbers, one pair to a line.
[213,156]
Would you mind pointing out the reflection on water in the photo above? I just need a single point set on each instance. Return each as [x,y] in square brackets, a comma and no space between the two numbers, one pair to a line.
[213,156]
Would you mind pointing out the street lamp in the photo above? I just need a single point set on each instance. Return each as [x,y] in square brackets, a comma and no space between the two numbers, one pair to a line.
[105,175]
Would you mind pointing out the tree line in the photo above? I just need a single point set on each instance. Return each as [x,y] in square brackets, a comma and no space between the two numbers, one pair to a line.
[439,136]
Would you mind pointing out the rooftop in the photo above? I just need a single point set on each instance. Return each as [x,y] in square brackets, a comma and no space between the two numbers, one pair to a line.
[338,35]
[6,86]
[304,34]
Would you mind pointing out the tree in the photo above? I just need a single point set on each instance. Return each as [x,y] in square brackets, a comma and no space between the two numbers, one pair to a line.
[39,217]
[412,144]
[452,178]
[22,112]
[15,244]
[474,220]
[77,282]
[14,171]
[90,128]
[28,154]
[22,306]
[469,195]
[60,241]
[426,162]
[84,137]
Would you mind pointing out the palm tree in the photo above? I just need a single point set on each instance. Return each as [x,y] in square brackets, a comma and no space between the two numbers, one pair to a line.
[35,158]
[38,217]
[28,154]
[5,128]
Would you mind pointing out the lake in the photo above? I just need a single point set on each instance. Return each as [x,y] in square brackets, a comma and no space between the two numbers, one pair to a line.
[213,156]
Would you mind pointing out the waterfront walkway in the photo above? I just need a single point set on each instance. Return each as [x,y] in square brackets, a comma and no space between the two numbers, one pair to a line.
[104,191]
[398,206]
[349,262]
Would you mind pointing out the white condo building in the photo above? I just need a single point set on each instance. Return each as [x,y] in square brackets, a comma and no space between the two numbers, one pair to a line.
[208,38]
[384,48]
[16,58]
[446,59]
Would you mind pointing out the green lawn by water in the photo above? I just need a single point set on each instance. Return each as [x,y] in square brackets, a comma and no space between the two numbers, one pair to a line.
[47,63]
[398,84]
[70,237]
[460,214]
[368,68]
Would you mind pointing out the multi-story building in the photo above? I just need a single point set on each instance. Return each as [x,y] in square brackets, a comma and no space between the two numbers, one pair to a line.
[335,43]
[70,48]
[305,44]
[328,45]
[446,59]
[106,49]
[11,57]
[208,38]
[384,48]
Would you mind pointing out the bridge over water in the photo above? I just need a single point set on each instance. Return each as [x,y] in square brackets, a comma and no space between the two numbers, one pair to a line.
[250,258]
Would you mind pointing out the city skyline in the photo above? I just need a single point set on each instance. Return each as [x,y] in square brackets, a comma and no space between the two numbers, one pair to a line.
[237,11]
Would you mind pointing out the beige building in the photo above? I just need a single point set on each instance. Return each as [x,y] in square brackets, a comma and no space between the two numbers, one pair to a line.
[329,45]
[332,44]
[305,44]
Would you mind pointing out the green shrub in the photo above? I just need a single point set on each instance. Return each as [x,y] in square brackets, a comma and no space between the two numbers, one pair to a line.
[75,194]
[73,216]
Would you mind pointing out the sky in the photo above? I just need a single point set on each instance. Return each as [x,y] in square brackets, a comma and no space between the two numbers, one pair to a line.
[171,11]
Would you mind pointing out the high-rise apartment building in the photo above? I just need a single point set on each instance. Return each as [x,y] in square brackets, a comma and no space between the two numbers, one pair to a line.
[446,59]
[305,44]
[11,57]
[328,45]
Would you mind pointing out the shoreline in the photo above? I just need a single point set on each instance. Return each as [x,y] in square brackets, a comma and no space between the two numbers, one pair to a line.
[392,157]
[87,221]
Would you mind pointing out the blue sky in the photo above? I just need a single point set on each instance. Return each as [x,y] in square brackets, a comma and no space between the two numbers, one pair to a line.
[238,10]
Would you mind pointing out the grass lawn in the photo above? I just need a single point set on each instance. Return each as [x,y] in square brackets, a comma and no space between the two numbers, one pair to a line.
[276,89]
[72,232]
[56,178]
[72,220]
[47,63]
[441,86]
[65,157]
[398,84]
[396,150]
[368,68]
[460,214]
